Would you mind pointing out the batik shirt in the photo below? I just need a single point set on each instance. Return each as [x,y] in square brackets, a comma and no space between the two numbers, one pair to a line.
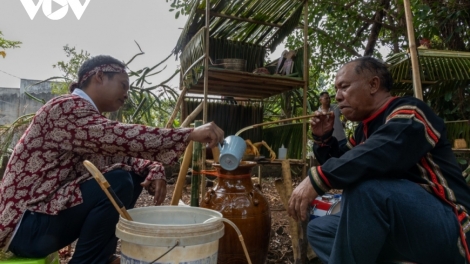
[404,139]
[46,168]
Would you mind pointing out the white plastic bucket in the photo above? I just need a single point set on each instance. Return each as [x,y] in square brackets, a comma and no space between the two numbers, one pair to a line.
[155,230]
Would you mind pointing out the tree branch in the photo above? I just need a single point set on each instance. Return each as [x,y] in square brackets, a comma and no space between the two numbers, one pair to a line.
[376,27]
[340,44]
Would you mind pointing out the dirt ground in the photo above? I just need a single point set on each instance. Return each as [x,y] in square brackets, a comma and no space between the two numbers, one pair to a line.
[280,249]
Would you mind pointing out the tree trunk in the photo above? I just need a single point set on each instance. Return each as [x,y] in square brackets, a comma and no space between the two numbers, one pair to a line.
[376,27]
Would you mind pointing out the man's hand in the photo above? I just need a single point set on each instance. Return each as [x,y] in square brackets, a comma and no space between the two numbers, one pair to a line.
[157,188]
[301,197]
[207,133]
[322,123]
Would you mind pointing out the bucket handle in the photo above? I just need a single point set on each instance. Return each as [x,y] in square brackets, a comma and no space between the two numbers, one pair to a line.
[168,251]
[240,236]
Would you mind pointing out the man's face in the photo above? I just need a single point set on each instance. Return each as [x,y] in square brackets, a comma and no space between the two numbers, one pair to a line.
[325,100]
[115,92]
[353,93]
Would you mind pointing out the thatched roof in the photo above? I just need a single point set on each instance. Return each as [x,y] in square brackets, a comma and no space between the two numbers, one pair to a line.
[436,65]
[258,22]
[438,68]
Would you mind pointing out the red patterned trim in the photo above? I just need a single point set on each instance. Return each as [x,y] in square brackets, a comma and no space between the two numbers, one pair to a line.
[438,189]
[413,112]
[104,68]
[385,106]
[322,175]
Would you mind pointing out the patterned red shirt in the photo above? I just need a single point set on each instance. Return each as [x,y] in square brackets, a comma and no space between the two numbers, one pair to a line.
[46,168]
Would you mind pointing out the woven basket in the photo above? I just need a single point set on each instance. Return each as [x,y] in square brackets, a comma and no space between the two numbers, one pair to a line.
[460,143]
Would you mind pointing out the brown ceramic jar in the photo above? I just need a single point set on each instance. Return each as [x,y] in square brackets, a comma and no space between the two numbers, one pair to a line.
[235,197]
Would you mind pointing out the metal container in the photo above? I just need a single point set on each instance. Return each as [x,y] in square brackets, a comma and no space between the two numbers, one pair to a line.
[232,64]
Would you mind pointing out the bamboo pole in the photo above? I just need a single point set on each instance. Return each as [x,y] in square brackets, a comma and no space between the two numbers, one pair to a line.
[182,174]
[277,121]
[192,116]
[287,184]
[104,184]
[186,159]
[303,226]
[305,74]
[206,90]
[306,82]
[197,165]
[177,107]
[418,91]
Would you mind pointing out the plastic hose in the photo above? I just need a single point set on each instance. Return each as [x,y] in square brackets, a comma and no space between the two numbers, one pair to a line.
[240,236]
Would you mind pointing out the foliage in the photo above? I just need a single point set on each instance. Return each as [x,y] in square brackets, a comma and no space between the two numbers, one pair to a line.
[7,44]
[148,104]
[145,104]
[181,7]
[339,31]
[69,69]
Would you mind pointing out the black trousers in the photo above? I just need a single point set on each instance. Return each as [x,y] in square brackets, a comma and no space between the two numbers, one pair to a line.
[93,223]
[387,221]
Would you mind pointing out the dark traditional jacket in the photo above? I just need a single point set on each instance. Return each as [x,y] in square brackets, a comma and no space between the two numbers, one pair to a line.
[405,139]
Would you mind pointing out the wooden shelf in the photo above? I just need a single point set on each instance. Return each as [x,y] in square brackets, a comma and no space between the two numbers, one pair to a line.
[461,150]
[270,162]
[244,84]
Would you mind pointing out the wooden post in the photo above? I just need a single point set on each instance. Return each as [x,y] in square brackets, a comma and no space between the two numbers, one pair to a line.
[306,82]
[418,91]
[294,226]
[206,91]
[192,116]
[182,174]
[169,124]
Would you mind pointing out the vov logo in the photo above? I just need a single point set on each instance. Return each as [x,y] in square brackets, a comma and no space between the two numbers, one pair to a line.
[62,7]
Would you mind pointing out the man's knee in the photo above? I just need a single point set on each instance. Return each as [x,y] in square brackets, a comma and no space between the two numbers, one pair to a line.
[322,227]
[122,184]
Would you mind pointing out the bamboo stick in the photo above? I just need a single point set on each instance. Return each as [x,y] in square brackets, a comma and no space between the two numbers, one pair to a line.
[413,52]
[104,184]
[277,121]
[296,242]
[457,121]
[303,227]
[216,154]
[197,165]
[192,116]
[177,108]
[293,225]
[182,174]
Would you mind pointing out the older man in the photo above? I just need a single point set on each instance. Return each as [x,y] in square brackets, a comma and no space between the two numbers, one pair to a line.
[404,197]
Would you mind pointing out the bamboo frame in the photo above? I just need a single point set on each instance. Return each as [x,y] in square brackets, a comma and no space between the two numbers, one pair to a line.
[197,163]
[275,122]
[418,91]
[182,174]
[242,19]
[306,82]
[169,124]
